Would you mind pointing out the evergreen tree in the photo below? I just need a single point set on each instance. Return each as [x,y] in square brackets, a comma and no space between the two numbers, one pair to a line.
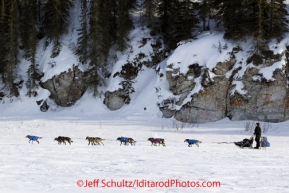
[91,75]
[259,23]
[124,22]
[99,42]
[114,19]
[3,29]
[82,41]
[56,20]
[234,16]
[184,21]
[261,19]
[277,22]
[164,12]
[109,23]
[177,18]
[270,22]
[149,12]
[28,22]
[11,47]
[205,13]
[105,22]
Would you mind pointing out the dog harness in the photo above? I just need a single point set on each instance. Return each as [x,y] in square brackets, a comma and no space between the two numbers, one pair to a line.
[192,141]
[124,139]
[157,140]
[33,138]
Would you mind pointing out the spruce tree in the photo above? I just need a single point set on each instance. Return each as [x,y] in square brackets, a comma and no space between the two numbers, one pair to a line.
[109,22]
[164,11]
[259,23]
[56,20]
[105,21]
[205,13]
[177,20]
[149,7]
[261,19]
[82,41]
[28,23]
[277,22]
[98,44]
[124,22]
[11,46]
[184,21]
[3,29]
[234,16]
[114,19]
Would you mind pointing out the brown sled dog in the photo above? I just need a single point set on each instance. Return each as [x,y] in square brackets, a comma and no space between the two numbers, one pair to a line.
[94,140]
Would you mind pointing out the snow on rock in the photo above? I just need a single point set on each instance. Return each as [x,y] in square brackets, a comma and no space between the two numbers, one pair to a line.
[207,50]
[125,73]
[210,78]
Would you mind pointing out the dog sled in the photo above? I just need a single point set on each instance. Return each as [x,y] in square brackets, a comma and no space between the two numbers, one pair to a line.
[246,143]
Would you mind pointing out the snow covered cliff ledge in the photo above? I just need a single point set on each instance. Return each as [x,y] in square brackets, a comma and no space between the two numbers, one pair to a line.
[211,78]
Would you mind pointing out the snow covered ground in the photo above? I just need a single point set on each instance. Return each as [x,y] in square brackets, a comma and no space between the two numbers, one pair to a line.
[49,167]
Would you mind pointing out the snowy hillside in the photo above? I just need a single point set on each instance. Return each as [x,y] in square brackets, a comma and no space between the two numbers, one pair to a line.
[207,50]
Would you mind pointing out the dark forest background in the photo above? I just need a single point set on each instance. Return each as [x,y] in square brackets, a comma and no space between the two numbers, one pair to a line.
[107,23]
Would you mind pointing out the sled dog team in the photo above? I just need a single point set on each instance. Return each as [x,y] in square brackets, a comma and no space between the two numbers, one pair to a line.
[123,140]
[261,142]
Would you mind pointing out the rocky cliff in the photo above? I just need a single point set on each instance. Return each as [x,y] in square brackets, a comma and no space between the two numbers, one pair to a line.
[66,88]
[204,94]
[198,83]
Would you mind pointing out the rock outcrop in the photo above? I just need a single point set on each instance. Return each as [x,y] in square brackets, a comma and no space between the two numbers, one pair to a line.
[209,104]
[129,71]
[115,100]
[66,88]
[264,100]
